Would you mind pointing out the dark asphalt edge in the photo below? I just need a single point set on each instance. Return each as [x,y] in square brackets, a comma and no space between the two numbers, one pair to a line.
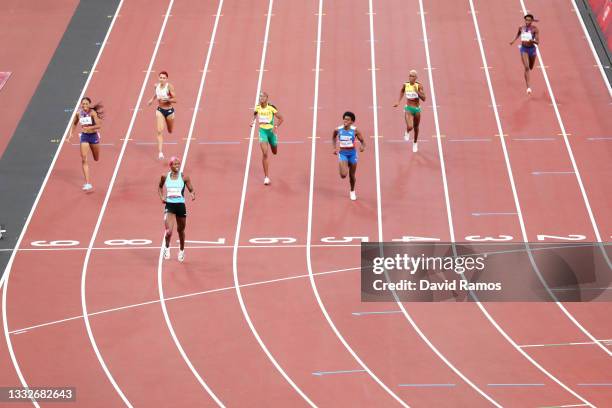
[597,36]
[36,140]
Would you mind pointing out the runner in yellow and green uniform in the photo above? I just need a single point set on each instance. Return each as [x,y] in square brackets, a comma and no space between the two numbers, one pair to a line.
[265,113]
[414,93]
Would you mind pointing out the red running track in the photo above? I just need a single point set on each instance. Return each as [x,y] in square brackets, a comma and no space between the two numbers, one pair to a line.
[285,313]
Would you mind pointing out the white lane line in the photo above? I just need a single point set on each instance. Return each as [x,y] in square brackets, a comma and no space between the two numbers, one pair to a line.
[480,214]
[245,183]
[468,140]
[220,143]
[61,143]
[516,385]
[565,406]
[520,217]
[313,284]
[588,37]
[534,139]
[103,210]
[322,373]
[578,288]
[160,280]
[582,343]
[187,295]
[408,317]
[541,173]
[580,184]
[427,385]
[594,384]
[7,270]
[376,313]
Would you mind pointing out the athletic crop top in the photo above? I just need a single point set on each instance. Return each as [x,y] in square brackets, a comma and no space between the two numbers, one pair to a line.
[526,34]
[266,116]
[85,119]
[411,90]
[162,93]
[346,137]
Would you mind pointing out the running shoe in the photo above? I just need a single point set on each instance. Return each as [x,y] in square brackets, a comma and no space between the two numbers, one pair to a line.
[406,136]
[166,253]
[415,147]
[181,256]
[528,91]
[87,187]
[353,196]
[267,181]
[160,156]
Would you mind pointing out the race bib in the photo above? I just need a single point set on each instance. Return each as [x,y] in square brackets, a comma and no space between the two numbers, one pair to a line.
[526,36]
[412,95]
[265,119]
[346,142]
[173,192]
[85,120]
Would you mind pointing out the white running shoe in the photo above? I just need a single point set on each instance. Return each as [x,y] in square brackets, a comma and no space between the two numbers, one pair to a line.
[415,147]
[87,187]
[160,156]
[406,136]
[267,181]
[166,252]
[353,196]
[181,255]
[528,91]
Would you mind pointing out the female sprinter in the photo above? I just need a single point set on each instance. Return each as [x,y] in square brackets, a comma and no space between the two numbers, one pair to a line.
[530,37]
[347,154]
[175,183]
[90,119]
[414,93]
[266,113]
[166,97]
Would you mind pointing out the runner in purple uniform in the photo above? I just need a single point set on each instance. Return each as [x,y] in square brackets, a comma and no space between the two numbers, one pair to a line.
[89,118]
[530,37]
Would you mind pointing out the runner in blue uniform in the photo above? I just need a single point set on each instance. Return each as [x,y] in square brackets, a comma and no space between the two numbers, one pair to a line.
[345,149]
[175,182]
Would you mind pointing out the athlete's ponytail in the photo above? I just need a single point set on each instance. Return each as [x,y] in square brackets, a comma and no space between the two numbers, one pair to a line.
[98,107]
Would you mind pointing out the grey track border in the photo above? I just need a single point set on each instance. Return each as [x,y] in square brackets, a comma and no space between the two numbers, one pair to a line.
[597,36]
[34,143]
